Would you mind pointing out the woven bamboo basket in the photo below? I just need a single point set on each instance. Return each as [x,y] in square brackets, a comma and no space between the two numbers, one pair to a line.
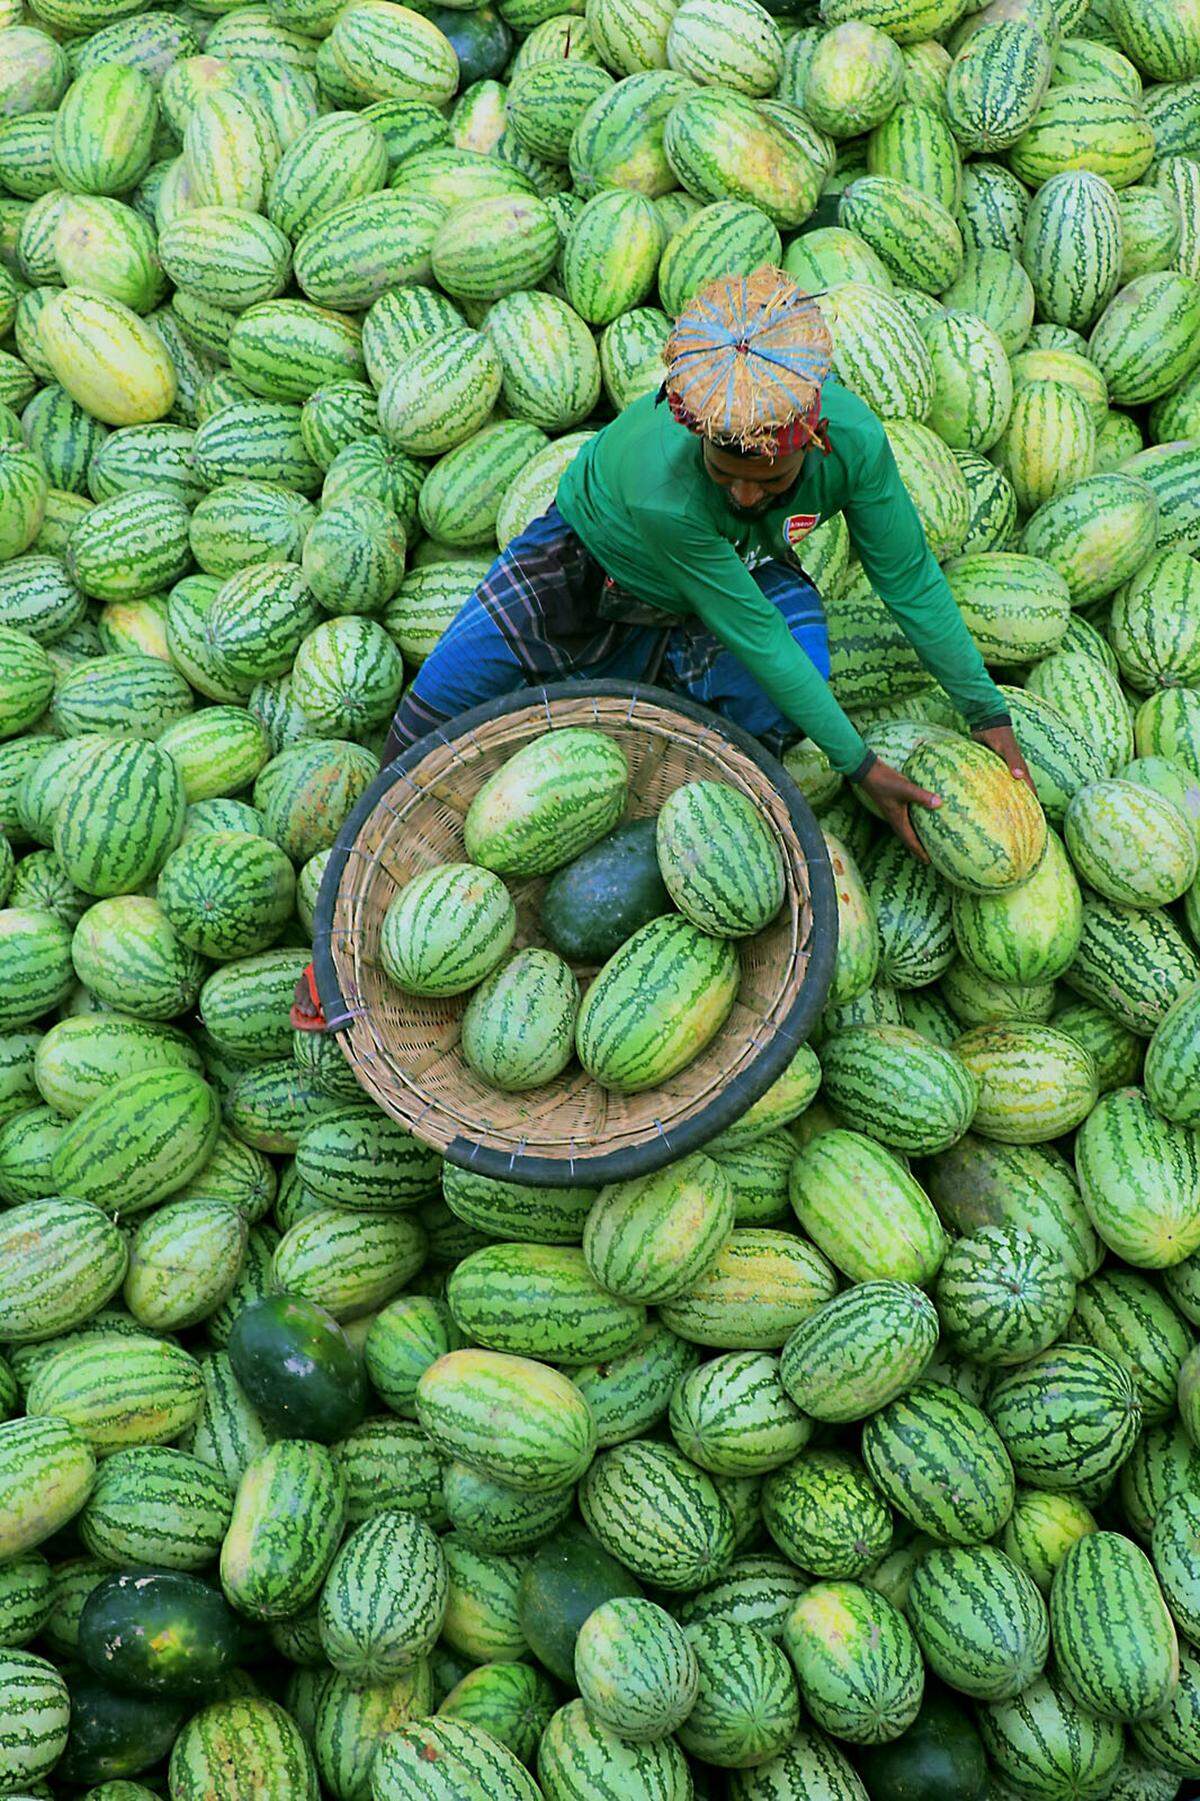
[404,1049]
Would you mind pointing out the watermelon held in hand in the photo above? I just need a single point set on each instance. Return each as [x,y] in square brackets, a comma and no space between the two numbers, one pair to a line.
[989,832]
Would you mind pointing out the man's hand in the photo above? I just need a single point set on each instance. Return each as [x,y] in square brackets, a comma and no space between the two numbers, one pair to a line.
[1000,739]
[893,794]
[306,1005]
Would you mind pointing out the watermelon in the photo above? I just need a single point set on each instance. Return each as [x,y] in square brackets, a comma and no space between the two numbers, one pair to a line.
[941,1463]
[856,1660]
[663,1514]
[251,1738]
[1046,1741]
[980,1621]
[996,84]
[637,1673]
[1132,1673]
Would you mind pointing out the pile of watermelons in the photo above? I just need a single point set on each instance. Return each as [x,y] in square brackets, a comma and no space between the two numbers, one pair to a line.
[858,1454]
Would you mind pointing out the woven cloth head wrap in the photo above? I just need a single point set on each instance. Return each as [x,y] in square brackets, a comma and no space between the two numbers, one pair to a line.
[745,365]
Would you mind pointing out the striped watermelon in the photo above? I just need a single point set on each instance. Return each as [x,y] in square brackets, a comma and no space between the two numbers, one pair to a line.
[391,53]
[106,357]
[837,1185]
[60,1261]
[730,237]
[119,818]
[227,894]
[422,1757]
[1003,1296]
[989,832]
[37,1709]
[823,1507]
[549,1434]
[1045,1742]
[878,352]
[144,1136]
[858,1352]
[1125,1669]
[996,83]
[695,979]
[1067,1418]
[1131,844]
[719,861]
[733,1418]
[892,1084]
[1132,964]
[914,236]
[854,80]
[723,145]
[1138,1172]
[1145,341]
[1085,128]
[856,1660]
[636,1671]
[157,1506]
[244,1743]
[461,496]
[1025,934]
[396,1555]
[527,801]
[915,144]
[653,1238]
[47,1471]
[540,1300]
[519,1025]
[1150,625]
[35,957]
[1072,208]
[995,288]
[118,1390]
[266,1576]
[938,1460]
[662,1514]
[1035,1083]
[747,1707]
[980,1621]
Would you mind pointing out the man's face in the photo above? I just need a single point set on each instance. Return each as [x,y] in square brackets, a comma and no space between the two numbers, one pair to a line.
[752,484]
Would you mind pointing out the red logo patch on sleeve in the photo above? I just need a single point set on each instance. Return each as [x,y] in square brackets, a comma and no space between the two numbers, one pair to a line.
[797,526]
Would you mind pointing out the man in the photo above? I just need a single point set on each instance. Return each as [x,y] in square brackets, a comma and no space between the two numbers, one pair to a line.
[674,550]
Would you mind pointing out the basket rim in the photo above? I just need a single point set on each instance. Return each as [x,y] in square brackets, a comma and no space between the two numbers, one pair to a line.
[744,1090]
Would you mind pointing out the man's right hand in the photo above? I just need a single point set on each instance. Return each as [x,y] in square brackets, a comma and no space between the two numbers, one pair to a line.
[893,794]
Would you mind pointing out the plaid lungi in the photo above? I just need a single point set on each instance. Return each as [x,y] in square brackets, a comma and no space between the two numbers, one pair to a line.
[546,612]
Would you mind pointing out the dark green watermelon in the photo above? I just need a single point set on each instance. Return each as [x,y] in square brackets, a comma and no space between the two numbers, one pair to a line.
[300,1372]
[114,1735]
[482,41]
[568,1578]
[593,905]
[939,1758]
[159,1632]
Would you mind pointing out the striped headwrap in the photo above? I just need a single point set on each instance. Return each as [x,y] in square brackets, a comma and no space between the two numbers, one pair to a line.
[746,362]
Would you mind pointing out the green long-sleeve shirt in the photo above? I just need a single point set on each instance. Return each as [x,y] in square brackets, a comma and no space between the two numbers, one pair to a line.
[639,498]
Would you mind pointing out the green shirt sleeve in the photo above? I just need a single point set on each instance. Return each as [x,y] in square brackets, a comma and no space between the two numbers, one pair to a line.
[715,584]
[887,533]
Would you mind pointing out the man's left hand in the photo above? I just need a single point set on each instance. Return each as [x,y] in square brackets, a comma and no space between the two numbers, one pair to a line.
[1000,738]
